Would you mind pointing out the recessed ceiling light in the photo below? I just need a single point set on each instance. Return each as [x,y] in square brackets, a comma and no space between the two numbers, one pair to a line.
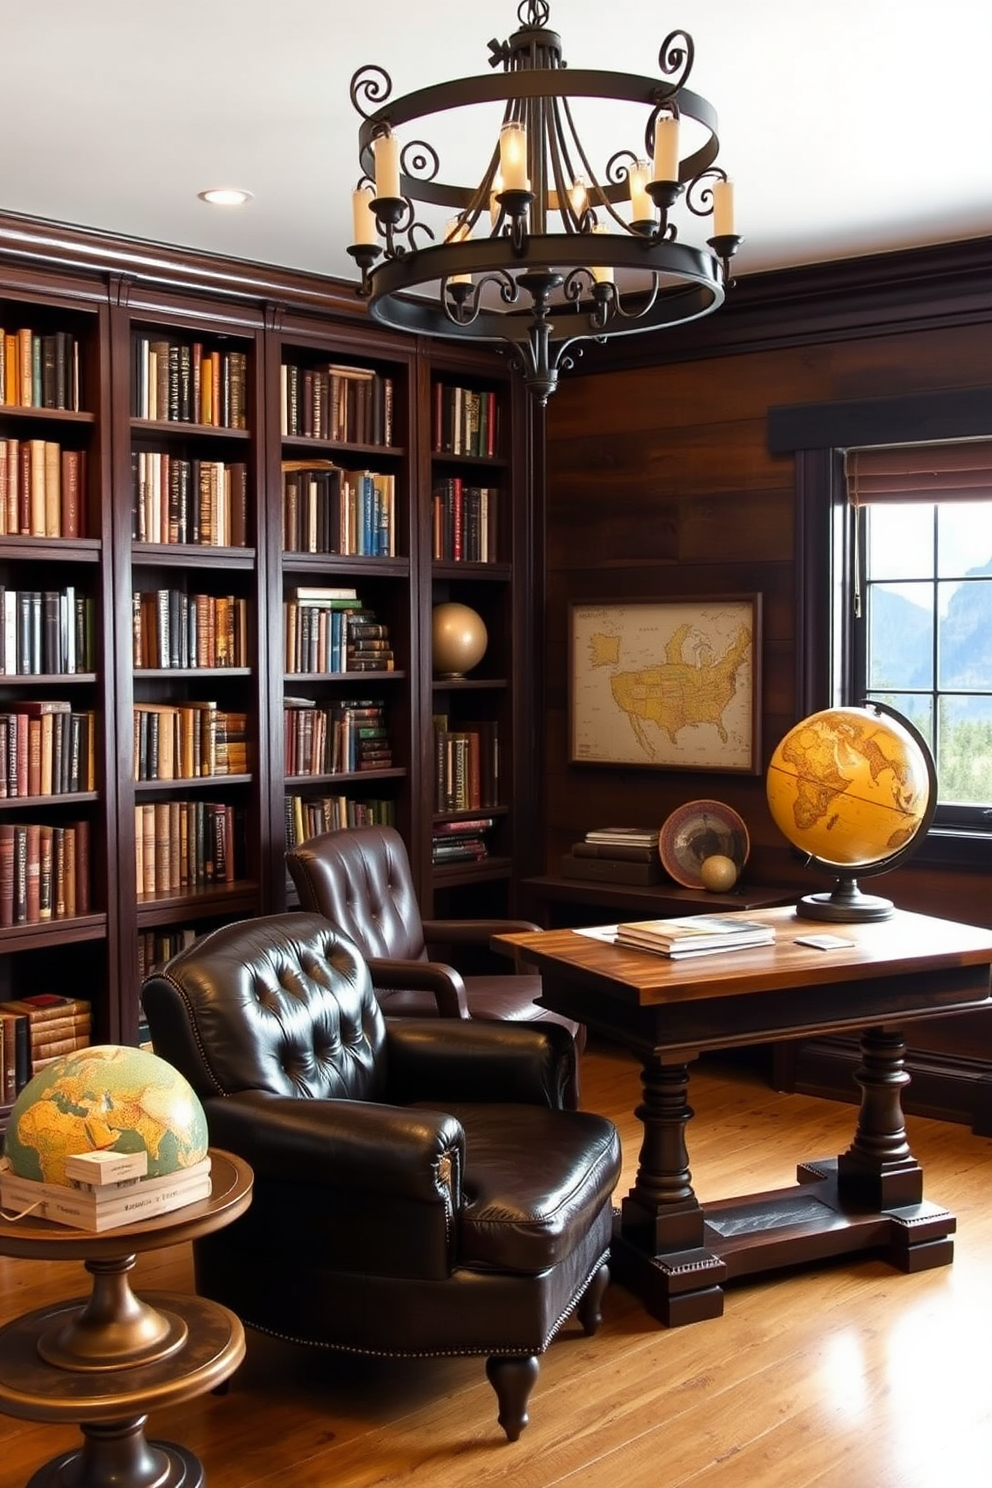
[225,196]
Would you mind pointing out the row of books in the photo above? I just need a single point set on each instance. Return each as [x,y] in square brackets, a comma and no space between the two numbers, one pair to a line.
[327,509]
[187,382]
[173,629]
[39,369]
[615,855]
[180,845]
[42,489]
[466,765]
[350,405]
[157,946]
[107,1206]
[44,871]
[340,738]
[463,522]
[460,841]
[188,741]
[46,632]
[335,635]
[464,421]
[695,935]
[46,749]
[180,500]
[35,1030]
[307,816]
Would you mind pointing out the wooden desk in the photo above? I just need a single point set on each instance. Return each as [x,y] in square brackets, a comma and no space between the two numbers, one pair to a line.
[106,1360]
[675,1253]
[553,901]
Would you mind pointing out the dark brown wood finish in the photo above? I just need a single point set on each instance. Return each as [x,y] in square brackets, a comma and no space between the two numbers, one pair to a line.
[675,1252]
[661,483]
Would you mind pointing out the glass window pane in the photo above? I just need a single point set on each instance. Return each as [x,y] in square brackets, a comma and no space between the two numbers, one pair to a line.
[900,541]
[964,634]
[900,636]
[916,707]
[964,750]
[964,538]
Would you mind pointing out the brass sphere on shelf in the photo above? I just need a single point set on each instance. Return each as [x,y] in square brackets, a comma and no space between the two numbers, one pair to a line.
[459,639]
[718,873]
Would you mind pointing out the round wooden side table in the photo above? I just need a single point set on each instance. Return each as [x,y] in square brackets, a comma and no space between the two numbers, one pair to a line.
[106,1360]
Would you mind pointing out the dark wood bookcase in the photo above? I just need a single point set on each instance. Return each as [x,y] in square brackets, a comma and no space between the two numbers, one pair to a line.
[117,300]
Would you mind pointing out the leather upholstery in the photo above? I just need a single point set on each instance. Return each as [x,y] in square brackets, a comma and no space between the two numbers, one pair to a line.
[419,1187]
[360,878]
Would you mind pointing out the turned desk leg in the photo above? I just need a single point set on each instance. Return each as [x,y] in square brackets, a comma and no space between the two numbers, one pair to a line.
[658,1250]
[878,1171]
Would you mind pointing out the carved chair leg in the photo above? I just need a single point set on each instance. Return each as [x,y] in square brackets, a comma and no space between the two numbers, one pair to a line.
[513,1380]
[589,1310]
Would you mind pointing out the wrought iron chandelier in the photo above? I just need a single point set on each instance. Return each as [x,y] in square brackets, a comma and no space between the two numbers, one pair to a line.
[543,251]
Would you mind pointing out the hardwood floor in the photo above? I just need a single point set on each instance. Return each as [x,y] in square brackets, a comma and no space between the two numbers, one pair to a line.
[851,1376]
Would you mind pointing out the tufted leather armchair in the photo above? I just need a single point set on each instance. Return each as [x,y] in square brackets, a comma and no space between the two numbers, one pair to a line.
[419,1188]
[360,878]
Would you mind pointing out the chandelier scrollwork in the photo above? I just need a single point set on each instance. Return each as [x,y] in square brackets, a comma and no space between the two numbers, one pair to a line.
[544,250]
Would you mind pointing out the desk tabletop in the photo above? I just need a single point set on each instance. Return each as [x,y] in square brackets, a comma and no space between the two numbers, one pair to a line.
[902,946]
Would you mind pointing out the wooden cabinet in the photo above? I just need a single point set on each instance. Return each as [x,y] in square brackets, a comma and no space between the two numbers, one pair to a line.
[259,553]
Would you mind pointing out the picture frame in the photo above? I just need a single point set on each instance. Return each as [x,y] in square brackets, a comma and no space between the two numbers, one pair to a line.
[670,684]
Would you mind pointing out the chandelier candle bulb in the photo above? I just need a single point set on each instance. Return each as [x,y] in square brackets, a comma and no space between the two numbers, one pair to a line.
[723,209]
[601,273]
[457,232]
[643,208]
[362,217]
[513,157]
[666,148]
[387,166]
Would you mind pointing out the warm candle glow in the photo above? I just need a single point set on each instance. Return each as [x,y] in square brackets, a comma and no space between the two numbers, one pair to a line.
[457,231]
[513,156]
[723,209]
[387,165]
[666,148]
[494,206]
[601,274]
[578,195]
[638,176]
[362,216]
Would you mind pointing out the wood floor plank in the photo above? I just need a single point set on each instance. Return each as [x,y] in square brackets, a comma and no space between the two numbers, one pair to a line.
[848,1376]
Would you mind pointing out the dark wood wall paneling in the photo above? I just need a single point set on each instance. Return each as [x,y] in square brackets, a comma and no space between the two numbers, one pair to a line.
[660,483]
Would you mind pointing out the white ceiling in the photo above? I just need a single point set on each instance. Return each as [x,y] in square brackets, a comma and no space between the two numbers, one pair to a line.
[849,126]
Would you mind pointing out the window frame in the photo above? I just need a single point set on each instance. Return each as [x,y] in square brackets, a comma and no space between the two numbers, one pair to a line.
[817,435]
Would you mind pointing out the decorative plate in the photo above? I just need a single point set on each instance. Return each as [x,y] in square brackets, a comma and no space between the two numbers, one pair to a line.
[694,832]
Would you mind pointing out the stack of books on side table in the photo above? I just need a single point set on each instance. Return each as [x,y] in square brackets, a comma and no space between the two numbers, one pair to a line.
[624,855]
[694,935]
[103,1190]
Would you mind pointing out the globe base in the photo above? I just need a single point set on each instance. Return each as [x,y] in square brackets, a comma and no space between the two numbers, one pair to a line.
[845,903]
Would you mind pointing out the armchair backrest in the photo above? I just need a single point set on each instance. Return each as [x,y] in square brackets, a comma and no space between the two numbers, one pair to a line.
[360,878]
[281,1003]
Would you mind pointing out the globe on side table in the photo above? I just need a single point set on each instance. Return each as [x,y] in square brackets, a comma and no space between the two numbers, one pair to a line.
[855,790]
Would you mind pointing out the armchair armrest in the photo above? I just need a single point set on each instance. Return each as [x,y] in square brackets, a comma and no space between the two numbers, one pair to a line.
[441,1061]
[428,976]
[356,1144]
[478,933]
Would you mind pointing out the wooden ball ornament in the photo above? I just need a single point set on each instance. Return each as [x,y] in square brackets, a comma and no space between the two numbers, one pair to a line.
[459,639]
[719,874]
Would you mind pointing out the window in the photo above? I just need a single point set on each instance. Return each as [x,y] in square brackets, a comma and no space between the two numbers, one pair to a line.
[919,585]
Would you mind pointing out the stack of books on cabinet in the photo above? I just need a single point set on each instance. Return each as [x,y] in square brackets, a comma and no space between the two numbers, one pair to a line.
[624,855]
[36,1029]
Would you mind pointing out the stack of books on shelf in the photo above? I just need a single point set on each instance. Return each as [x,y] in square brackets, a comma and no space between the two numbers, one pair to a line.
[44,871]
[344,737]
[463,522]
[465,421]
[179,500]
[186,382]
[42,489]
[307,816]
[171,629]
[46,749]
[624,855]
[39,370]
[104,1190]
[695,935]
[349,405]
[188,741]
[460,841]
[183,845]
[466,764]
[35,1030]
[45,631]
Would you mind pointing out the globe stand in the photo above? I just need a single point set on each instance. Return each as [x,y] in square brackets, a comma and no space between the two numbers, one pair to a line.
[845,903]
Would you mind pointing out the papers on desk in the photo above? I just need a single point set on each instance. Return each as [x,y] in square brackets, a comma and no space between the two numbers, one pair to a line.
[599,932]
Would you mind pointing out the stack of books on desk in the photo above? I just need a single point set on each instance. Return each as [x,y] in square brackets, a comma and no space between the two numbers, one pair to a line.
[695,935]
[626,855]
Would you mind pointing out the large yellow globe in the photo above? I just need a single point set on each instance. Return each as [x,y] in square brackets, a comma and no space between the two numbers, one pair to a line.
[849,786]
[106,1098]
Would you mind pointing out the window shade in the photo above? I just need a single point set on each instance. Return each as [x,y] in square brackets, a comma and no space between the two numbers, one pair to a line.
[952,471]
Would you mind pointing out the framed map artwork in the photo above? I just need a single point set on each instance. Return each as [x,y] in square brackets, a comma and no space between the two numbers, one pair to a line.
[668,684]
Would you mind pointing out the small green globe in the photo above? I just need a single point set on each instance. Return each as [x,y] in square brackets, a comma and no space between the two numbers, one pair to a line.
[105,1098]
